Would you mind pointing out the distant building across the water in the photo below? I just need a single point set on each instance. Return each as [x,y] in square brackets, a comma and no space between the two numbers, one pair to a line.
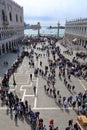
[55,27]
[26,26]
[33,26]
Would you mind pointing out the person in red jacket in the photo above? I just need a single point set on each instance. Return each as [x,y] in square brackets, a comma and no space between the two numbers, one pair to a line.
[51,124]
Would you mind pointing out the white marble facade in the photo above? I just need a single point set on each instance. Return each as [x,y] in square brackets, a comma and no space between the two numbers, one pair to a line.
[11,25]
[77,29]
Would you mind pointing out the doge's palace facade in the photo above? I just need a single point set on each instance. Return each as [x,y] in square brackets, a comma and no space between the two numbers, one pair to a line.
[11,25]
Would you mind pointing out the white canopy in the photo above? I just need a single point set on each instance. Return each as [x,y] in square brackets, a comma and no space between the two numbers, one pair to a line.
[74,40]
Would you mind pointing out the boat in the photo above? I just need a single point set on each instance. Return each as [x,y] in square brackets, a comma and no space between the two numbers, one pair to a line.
[55,27]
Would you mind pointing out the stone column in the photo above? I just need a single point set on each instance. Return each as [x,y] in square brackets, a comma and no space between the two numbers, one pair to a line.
[5,48]
[38,24]
[58,30]
[1,50]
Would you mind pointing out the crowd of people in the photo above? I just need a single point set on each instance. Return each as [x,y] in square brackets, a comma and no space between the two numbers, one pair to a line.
[66,68]
[10,71]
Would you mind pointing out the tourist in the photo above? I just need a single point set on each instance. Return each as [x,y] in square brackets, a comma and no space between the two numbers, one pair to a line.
[70,122]
[45,88]
[51,124]
[34,89]
[31,77]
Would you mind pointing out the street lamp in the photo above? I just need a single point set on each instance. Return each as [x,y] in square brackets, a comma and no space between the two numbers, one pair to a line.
[14,83]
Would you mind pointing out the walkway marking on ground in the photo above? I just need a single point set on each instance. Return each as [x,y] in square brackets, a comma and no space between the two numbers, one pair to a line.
[29,95]
[46,108]
[82,85]
[35,101]
[24,90]
[54,108]
[3,108]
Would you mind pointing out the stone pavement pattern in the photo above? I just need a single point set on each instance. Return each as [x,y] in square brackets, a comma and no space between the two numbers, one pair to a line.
[42,102]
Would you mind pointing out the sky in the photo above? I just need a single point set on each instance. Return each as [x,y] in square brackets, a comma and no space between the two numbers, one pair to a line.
[49,12]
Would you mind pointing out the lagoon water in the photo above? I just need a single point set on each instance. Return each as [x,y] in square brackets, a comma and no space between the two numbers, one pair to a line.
[44,31]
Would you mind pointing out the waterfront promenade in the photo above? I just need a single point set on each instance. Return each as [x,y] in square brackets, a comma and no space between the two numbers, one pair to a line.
[42,102]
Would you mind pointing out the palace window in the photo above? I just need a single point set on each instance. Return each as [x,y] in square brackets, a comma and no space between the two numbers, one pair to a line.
[0,35]
[16,18]
[3,15]
[10,16]
[85,29]
[21,19]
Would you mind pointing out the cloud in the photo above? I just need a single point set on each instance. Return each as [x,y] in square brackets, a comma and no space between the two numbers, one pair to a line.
[53,10]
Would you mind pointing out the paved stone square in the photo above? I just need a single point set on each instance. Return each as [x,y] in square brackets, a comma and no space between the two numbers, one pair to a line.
[42,102]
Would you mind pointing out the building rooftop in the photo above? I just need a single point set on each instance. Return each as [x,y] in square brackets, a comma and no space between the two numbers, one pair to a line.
[77,20]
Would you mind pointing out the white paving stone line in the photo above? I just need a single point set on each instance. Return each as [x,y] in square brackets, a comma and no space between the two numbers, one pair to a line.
[54,108]
[35,101]
[47,108]
[24,90]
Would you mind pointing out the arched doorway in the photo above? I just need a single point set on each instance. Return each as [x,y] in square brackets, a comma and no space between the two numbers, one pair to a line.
[3,15]
[0,50]
[10,47]
[80,42]
[7,48]
[83,43]
[3,48]
[86,44]
[15,43]
[12,44]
